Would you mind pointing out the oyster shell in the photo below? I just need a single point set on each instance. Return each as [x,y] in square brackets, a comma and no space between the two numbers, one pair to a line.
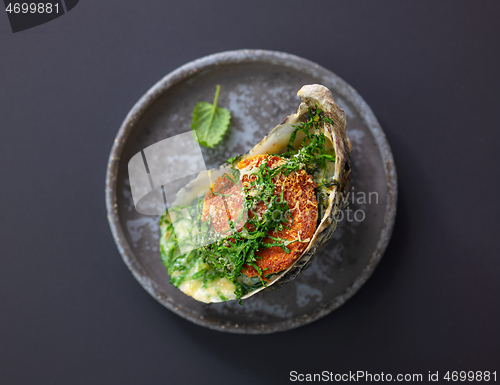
[337,174]
[314,96]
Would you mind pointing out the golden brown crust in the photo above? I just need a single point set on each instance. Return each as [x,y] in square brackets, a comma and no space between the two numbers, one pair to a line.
[221,207]
[301,220]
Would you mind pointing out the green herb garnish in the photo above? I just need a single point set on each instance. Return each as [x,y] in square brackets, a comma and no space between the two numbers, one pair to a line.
[210,122]
[228,257]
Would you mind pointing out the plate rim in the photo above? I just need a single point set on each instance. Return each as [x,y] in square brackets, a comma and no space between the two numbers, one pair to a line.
[237,57]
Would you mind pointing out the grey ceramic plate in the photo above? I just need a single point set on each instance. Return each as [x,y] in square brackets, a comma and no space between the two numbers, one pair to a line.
[259,88]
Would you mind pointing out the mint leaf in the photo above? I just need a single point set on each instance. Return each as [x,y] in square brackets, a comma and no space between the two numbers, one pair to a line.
[210,122]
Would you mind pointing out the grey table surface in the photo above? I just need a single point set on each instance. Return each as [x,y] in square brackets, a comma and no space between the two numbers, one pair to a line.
[72,313]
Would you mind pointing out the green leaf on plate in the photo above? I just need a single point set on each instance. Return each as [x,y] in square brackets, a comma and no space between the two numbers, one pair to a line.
[210,122]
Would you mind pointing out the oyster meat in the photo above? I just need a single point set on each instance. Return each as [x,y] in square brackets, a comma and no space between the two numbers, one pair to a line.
[256,222]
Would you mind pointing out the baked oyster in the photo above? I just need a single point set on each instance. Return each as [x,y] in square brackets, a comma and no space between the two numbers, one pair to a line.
[256,222]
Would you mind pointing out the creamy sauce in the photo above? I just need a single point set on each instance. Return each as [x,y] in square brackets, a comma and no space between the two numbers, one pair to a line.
[210,292]
[217,290]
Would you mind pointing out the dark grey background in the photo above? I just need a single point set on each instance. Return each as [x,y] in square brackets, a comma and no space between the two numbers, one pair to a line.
[71,312]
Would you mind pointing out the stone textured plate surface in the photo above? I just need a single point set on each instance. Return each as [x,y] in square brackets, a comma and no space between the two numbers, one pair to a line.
[259,88]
